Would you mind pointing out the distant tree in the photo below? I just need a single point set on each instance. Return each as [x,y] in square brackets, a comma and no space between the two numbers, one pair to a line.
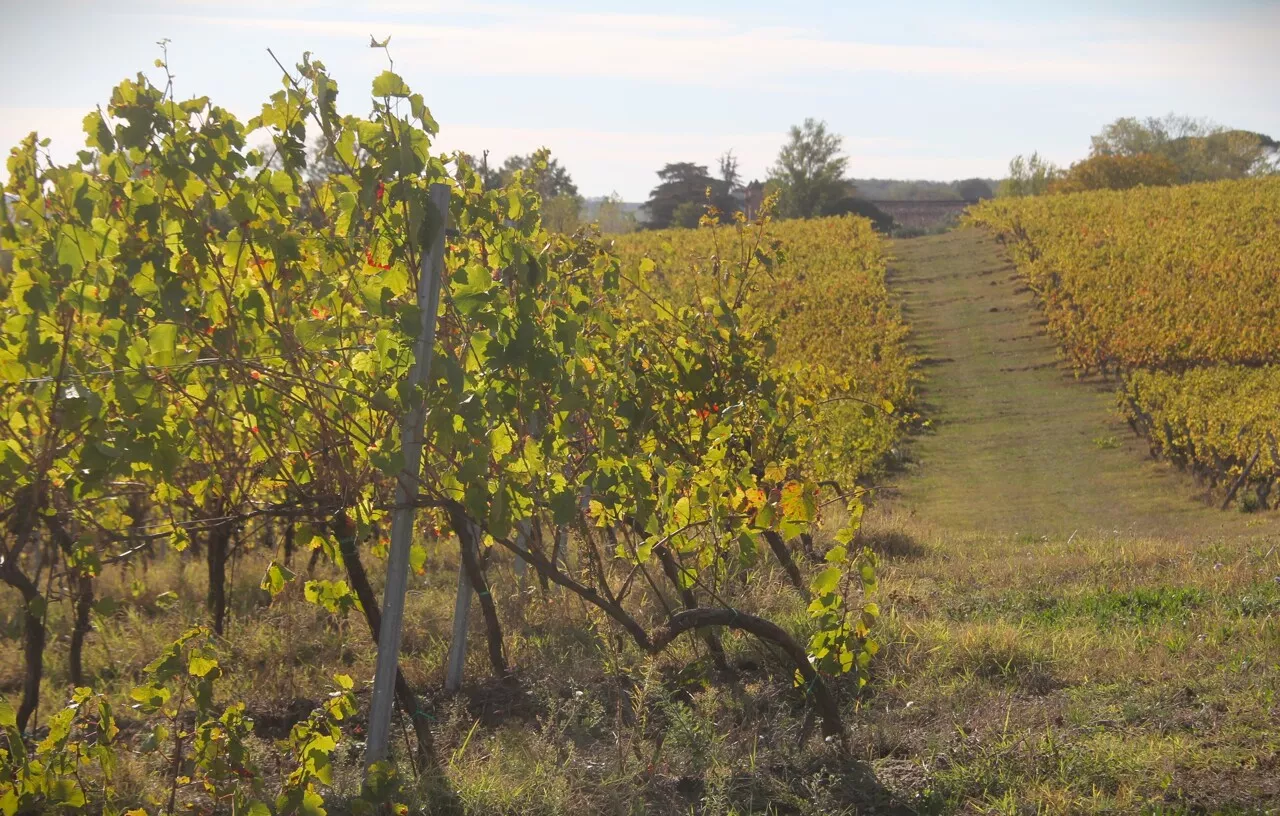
[562,213]
[1200,149]
[683,187]
[736,194]
[1116,172]
[322,162]
[1028,176]
[1129,136]
[613,218]
[550,178]
[810,170]
[729,169]
[687,214]
[561,203]
[915,190]
[974,189]
[1226,154]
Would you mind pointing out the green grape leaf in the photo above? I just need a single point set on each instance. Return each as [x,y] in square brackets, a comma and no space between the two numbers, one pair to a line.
[163,341]
[827,581]
[276,577]
[199,666]
[390,84]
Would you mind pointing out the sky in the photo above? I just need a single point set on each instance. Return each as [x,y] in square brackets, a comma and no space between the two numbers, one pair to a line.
[923,90]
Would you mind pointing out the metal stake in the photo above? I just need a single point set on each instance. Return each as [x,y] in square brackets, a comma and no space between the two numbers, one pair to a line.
[411,440]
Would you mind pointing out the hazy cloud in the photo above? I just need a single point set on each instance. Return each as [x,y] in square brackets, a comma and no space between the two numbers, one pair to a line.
[937,92]
[673,48]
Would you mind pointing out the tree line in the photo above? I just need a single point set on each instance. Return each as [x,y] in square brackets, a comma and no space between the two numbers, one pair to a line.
[1156,151]
[808,176]
[808,179]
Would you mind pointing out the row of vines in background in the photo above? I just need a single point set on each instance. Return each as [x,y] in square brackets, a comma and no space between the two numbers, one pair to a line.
[204,348]
[1216,421]
[834,315]
[1173,290]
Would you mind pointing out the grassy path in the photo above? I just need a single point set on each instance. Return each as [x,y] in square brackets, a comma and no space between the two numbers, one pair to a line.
[1018,445]
[1069,628]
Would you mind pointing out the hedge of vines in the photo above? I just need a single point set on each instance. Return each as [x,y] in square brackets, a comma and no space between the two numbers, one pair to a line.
[835,316]
[202,339]
[1174,291]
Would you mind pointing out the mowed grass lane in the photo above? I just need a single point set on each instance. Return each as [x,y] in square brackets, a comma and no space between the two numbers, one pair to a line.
[1017,443]
[1070,628]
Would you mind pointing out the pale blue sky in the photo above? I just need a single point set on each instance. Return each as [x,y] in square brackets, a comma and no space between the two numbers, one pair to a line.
[939,90]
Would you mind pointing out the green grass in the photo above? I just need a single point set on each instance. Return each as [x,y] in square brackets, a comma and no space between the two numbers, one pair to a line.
[1100,674]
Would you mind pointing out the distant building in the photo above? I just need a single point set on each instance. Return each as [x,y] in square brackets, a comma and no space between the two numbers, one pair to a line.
[924,215]
[752,198]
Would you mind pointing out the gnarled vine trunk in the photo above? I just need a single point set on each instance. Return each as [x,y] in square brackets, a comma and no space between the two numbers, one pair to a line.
[80,628]
[672,570]
[690,619]
[783,555]
[810,551]
[33,635]
[81,599]
[217,550]
[289,535]
[469,545]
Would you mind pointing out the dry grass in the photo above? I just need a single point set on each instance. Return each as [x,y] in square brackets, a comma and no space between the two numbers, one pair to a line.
[588,724]
[1096,673]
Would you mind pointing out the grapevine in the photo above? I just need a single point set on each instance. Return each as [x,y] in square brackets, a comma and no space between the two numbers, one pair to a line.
[1172,290]
[202,345]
